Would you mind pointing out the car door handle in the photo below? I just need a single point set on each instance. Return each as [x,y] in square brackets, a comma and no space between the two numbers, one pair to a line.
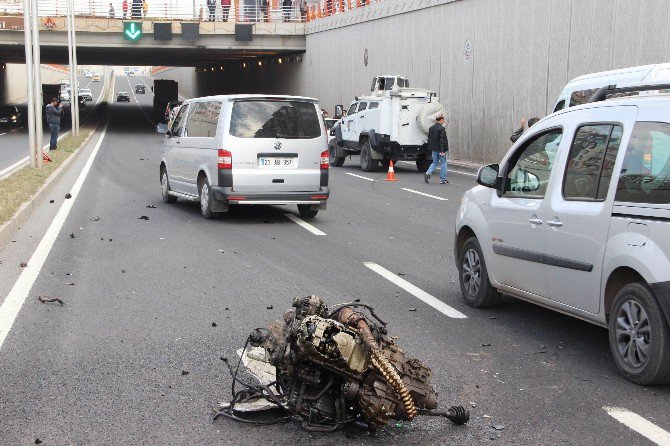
[555,223]
[534,221]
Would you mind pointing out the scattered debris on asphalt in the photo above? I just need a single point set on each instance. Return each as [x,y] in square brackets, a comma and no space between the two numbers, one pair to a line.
[23,264]
[110,239]
[96,218]
[151,206]
[71,234]
[38,441]
[71,284]
[401,274]
[143,217]
[330,369]
[270,307]
[486,345]
[68,196]
[47,299]
[123,271]
[412,309]
[51,201]
[185,372]
[498,427]
[213,324]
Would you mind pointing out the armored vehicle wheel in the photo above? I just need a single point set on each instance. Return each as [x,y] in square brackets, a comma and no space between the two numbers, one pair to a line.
[332,156]
[367,163]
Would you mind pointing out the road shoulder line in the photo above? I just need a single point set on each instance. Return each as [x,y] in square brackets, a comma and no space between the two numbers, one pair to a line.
[360,176]
[424,194]
[640,425]
[11,306]
[416,291]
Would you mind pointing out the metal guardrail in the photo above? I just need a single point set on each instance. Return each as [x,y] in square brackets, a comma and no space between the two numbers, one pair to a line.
[189,10]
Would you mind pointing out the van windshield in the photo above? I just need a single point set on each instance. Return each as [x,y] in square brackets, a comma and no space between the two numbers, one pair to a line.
[274,119]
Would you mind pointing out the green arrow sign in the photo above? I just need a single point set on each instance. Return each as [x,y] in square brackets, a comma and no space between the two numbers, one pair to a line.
[132,31]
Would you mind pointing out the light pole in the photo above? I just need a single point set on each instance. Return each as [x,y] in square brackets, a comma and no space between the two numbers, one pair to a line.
[72,54]
[29,78]
[37,81]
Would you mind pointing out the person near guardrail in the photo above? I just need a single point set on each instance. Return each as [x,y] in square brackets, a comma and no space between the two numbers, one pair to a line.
[136,10]
[124,8]
[54,111]
[111,11]
[211,8]
[225,9]
[439,145]
[286,9]
[145,7]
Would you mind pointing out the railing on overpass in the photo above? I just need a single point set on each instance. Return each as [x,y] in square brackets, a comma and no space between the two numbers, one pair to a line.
[326,8]
[189,10]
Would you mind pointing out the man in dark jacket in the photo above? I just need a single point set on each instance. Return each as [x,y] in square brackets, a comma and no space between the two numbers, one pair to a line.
[438,144]
[54,111]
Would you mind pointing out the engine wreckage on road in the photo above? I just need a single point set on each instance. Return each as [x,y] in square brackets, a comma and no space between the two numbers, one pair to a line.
[332,368]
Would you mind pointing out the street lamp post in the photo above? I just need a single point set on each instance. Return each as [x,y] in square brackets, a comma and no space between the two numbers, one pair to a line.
[37,81]
[29,78]
[72,54]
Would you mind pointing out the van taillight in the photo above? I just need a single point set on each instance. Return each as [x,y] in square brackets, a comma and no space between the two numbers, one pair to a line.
[225,159]
[324,160]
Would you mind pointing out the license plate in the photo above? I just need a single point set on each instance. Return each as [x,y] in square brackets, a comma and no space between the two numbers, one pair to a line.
[277,163]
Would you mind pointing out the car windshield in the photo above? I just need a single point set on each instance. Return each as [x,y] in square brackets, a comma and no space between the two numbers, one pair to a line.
[274,119]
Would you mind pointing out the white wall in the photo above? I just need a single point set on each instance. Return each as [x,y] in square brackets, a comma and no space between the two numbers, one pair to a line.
[15,87]
[524,51]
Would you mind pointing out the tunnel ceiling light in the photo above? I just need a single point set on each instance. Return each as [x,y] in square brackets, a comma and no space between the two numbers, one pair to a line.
[244,65]
[279,60]
[260,63]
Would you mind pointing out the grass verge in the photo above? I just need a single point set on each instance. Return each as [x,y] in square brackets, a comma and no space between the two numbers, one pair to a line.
[20,186]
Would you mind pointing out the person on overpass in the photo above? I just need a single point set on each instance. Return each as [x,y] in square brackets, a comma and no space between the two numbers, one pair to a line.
[54,111]
[439,145]
[286,6]
[145,7]
[136,11]
[225,9]
[111,11]
[211,6]
[124,8]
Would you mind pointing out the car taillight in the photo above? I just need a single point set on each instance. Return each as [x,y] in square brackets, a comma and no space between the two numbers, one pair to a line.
[324,160]
[225,159]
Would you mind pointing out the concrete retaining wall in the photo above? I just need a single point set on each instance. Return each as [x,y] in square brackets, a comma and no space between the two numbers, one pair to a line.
[14,75]
[522,54]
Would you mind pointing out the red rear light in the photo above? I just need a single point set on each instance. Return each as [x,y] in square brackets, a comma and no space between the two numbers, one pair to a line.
[319,197]
[225,159]
[324,160]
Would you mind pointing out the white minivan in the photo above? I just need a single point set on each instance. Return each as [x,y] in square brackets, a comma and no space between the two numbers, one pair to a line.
[576,218]
[246,150]
[580,89]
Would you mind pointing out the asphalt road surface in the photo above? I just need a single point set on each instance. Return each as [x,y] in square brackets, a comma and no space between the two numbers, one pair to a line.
[14,140]
[141,296]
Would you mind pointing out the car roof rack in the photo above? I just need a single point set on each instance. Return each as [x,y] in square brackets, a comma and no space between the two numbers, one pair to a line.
[608,91]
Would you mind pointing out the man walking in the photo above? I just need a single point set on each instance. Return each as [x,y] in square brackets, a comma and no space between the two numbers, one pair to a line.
[54,112]
[438,144]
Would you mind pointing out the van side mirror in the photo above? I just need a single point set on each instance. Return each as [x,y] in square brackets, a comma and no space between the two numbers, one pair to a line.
[488,176]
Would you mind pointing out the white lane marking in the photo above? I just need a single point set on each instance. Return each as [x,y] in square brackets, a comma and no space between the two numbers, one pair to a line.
[304,224]
[146,85]
[17,296]
[132,91]
[416,292]
[640,425]
[14,166]
[360,176]
[425,195]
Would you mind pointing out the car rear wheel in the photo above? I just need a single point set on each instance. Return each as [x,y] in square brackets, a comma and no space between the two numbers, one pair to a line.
[306,212]
[639,336]
[165,189]
[206,200]
[332,156]
[368,164]
[473,276]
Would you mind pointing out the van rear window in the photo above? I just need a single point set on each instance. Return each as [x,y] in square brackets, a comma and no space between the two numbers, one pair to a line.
[274,119]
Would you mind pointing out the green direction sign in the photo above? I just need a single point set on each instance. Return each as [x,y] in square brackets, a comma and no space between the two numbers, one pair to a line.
[132,31]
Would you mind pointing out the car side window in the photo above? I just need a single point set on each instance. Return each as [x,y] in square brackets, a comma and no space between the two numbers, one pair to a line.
[374,105]
[530,168]
[645,173]
[203,121]
[362,106]
[589,168]
[179,124]
[352,109]
[560,105]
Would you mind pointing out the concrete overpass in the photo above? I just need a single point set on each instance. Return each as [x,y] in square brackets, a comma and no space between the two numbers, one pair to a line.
[101,41]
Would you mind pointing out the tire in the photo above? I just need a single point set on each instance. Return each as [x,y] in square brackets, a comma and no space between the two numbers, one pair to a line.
[422,164]
[306,213]
[367,163]
[165,189]
[333,159]
[474,278]
[206,199]
[645,359]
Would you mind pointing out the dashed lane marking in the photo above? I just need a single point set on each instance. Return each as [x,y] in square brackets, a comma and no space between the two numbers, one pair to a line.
[360,176]
[17,296]
[450,170]
[304,224]
[424,194]
[640,425]
[416,291]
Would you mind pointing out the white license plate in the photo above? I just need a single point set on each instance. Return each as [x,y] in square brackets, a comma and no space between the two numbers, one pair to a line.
[277,163]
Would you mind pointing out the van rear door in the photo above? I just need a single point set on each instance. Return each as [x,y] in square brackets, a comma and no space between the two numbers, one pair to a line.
[276,145]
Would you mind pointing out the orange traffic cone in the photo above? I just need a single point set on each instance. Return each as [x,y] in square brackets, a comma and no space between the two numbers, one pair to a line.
[390,176]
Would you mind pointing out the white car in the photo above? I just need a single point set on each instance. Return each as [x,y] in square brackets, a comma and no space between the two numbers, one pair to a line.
[88,75]
[86,93]
[576,218]
[247,150]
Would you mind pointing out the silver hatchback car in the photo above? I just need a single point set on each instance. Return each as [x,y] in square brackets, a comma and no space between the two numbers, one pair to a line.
[246,150]
[576,218]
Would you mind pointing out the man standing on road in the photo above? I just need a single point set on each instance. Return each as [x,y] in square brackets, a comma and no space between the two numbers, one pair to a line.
[54,112]
[438,144]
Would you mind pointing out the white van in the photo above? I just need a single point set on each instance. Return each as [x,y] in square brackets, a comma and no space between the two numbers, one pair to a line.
[247,149]
[579,90]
